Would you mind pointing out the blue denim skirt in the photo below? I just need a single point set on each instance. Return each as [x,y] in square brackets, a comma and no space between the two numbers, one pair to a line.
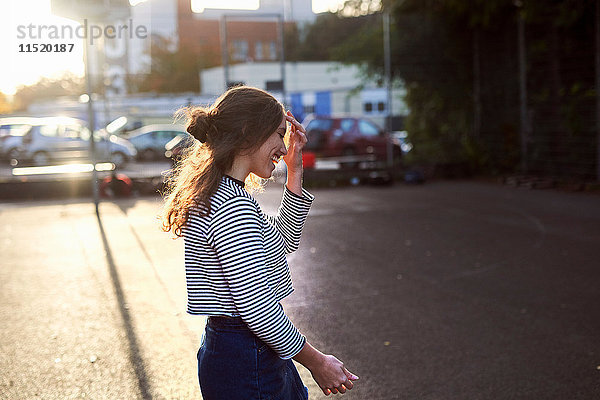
[233,363]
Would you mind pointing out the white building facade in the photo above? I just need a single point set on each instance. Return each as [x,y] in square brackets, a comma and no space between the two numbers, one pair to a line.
[321,88]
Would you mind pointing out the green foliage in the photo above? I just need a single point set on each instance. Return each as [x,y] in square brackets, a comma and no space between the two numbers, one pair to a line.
[364,45]
[171,71]
[319,40]
[436,140]
[436,45]
[47,88]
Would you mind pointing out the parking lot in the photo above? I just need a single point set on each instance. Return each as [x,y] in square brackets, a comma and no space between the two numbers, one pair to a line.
[451,290]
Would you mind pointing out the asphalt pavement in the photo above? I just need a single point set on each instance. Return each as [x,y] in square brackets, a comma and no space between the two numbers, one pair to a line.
[448,290]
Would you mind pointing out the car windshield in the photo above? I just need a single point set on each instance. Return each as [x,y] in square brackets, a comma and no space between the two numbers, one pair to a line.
[320,124]
[14,129]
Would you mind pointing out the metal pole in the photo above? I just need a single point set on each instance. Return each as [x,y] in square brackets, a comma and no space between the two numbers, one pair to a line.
[224,50]
[282,56]
[522,91]
[598,90]
[388,81]
[476,85]
[91,123]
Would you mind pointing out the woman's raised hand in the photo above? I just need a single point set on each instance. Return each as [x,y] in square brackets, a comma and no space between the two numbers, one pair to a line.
[297,140]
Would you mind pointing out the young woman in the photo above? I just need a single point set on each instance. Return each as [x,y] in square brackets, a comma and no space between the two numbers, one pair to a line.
[236,269]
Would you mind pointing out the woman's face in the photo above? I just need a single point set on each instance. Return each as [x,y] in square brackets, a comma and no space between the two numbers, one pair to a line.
[262,161]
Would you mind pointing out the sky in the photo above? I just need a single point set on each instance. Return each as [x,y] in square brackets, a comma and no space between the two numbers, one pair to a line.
[25,68]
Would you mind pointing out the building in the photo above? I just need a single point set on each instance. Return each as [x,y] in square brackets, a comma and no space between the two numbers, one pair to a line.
[191,25]
[321,88]
[253,50]
[252,35]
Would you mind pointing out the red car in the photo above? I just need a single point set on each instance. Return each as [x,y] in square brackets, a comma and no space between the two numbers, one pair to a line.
[348,136]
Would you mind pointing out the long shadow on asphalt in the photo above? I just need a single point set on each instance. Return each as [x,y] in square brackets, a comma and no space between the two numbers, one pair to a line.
[135,357]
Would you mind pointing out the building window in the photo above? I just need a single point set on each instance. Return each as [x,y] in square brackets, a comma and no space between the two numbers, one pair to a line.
[374,101]
[258,51]
[370,107]
[272,51]
[240,50]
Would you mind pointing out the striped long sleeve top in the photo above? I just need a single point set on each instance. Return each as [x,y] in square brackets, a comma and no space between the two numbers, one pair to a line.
[236,266]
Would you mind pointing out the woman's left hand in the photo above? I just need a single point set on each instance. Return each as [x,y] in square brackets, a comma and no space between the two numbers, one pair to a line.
[297,140]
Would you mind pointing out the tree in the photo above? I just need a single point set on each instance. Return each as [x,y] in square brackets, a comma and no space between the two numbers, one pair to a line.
[319,41]
[48,88]
[5,106]
[171,71]
[458,60]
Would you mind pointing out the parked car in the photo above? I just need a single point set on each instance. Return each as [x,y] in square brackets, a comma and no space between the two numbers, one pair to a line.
[12,130]
[177,145]
[150,140]
[347,137]
[60,139]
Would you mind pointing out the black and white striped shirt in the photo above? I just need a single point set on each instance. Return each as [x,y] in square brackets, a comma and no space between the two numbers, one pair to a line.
[235,262]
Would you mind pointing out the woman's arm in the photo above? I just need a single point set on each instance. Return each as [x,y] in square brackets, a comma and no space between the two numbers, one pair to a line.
[291,216]
[296,201]
[327,371]
[235,234]
[294,181]
[293,158]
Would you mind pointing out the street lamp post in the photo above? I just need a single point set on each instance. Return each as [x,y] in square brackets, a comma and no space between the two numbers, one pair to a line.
[91,122]
[82,11]
[224,50]
[388,81]
[524,131]
[597,27]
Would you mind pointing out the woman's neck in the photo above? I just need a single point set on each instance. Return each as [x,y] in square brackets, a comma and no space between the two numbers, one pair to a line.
[239,170]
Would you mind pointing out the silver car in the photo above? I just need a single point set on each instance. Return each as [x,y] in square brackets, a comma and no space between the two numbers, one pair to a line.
[150,140]
[62,139]
[12,130]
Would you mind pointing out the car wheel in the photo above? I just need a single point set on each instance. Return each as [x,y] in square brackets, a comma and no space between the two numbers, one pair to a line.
[41,158]
[12,156]
[118,158]
[149,155]
[13,153]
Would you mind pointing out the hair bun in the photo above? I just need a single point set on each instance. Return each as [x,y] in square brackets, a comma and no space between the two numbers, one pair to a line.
[201,123]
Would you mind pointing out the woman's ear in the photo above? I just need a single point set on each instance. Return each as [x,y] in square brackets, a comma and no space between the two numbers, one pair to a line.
[244,152]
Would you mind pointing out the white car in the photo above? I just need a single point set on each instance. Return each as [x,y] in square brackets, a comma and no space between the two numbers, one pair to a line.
[63,139]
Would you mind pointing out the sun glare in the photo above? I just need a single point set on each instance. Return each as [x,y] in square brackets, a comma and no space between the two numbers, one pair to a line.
[62,169]
[320,6]
[198,6]
[24,67]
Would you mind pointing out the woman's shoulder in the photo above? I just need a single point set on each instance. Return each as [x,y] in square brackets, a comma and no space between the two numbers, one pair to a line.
[228,194]
[228,199]
[229,191]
